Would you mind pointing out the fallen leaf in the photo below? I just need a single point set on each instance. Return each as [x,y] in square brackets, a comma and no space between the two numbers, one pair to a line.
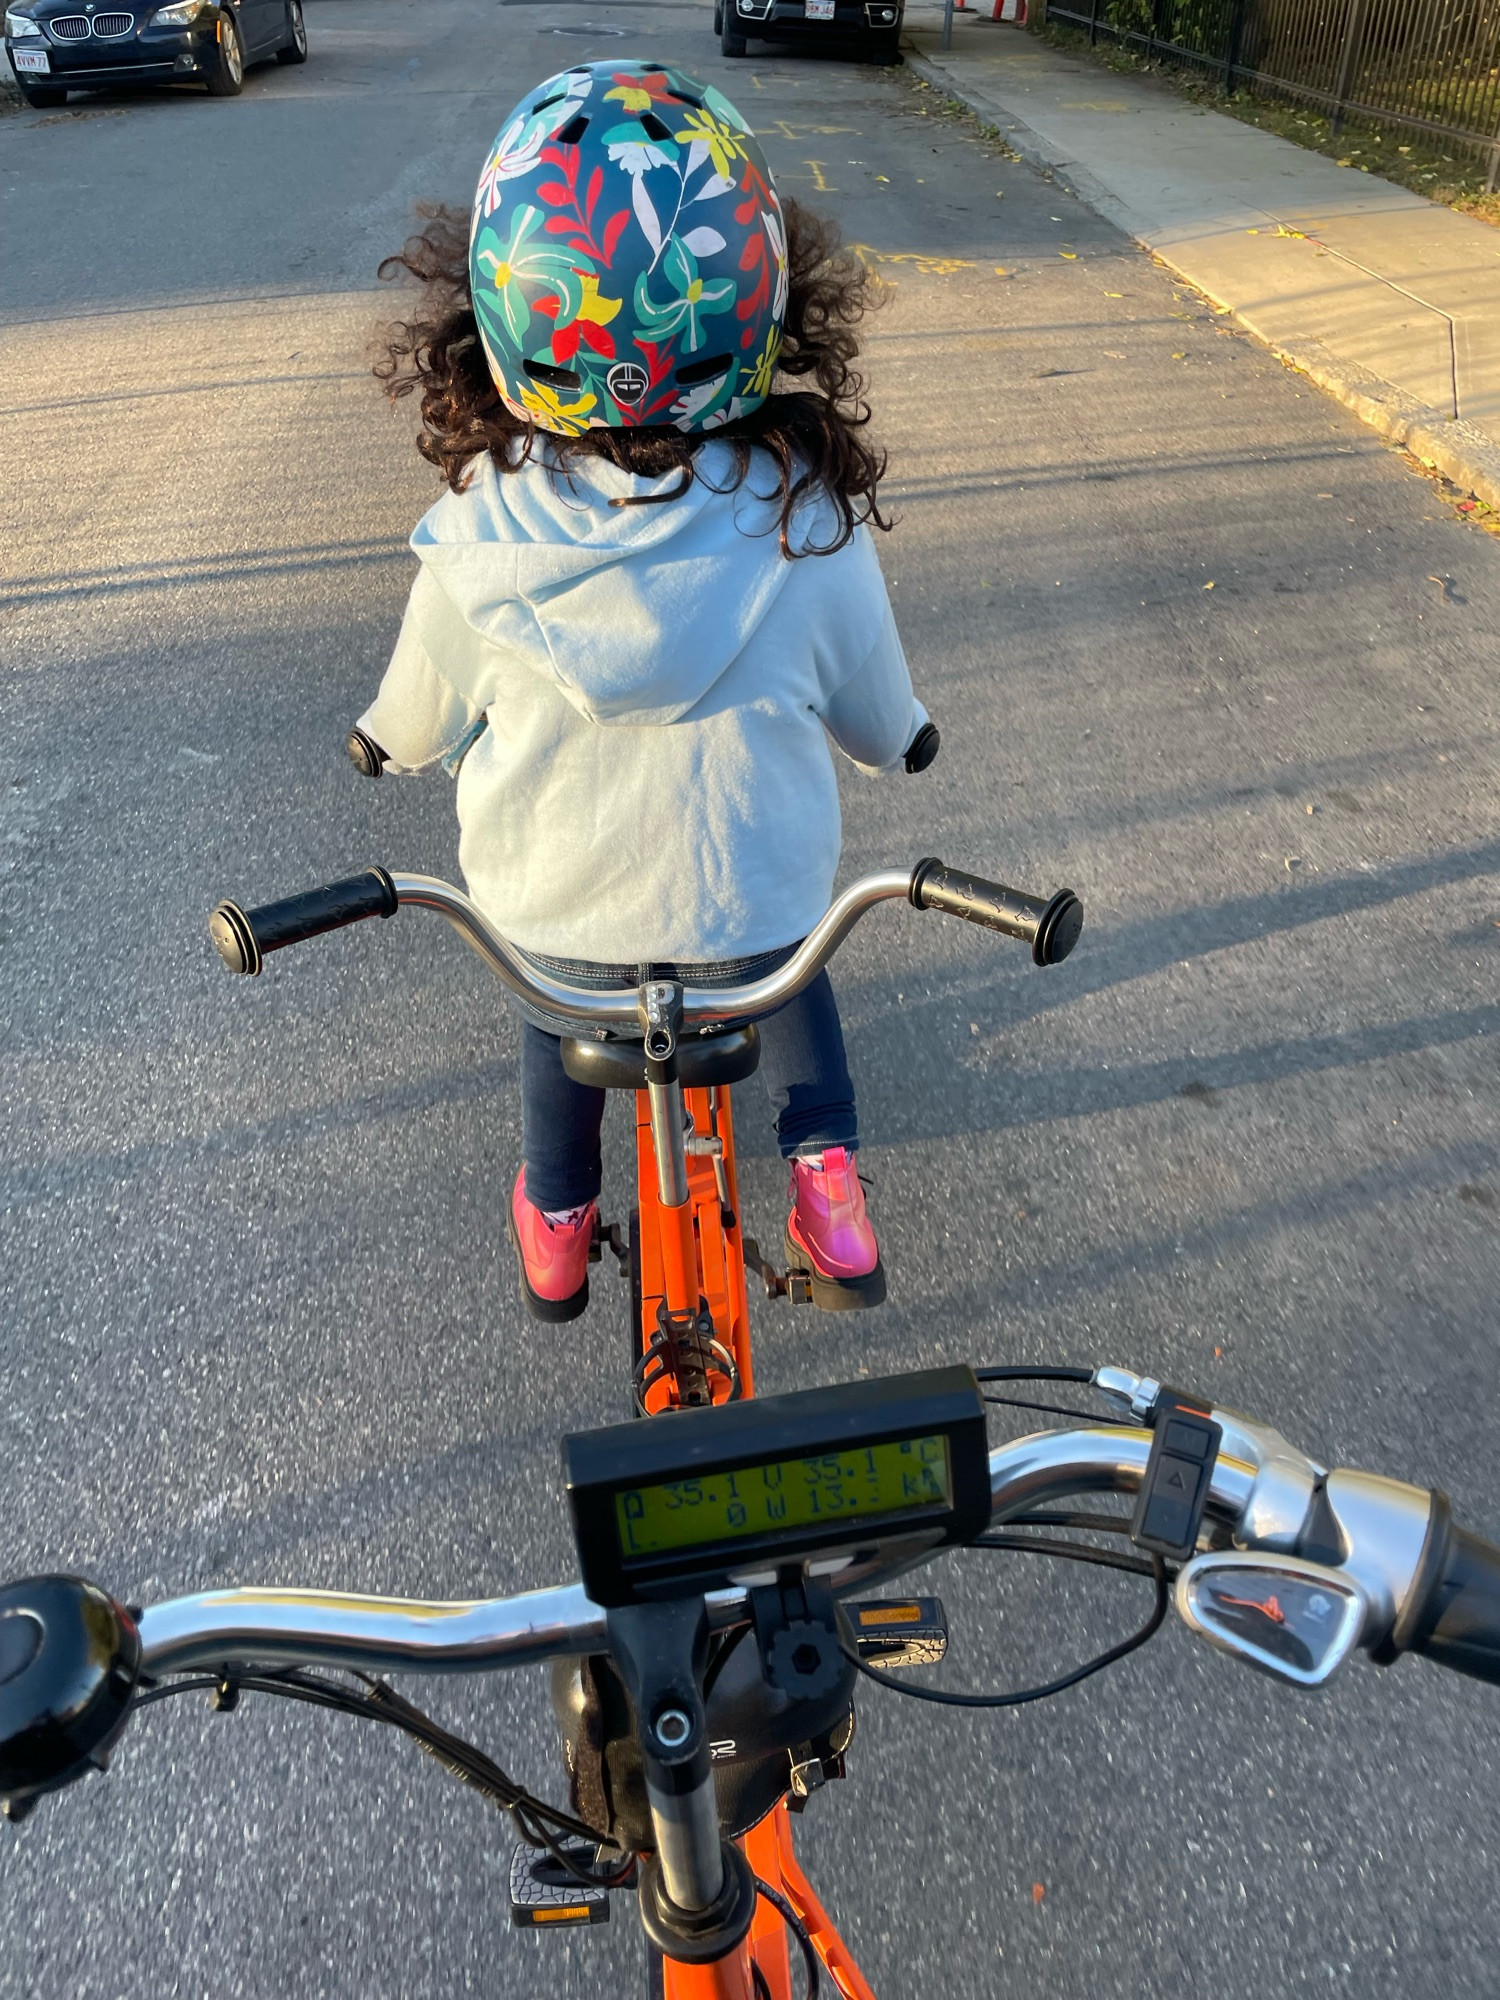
[1208,586]
[1292,861]
[1114,295]
[1325,496]
[1218,1354]
[1181,355]
[1038,1890]
[1001,272]
[1071,255]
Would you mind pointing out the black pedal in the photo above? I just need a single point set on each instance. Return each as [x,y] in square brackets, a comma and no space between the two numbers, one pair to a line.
[542,1893]
[778,1285]
[899,1631]
[609,1237]
[1174,1492]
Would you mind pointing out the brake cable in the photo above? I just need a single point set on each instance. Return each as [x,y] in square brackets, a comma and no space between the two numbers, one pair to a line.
[1015,1700]
[798,1930]
[1082,1552]
[539,1823]
[1083,1376]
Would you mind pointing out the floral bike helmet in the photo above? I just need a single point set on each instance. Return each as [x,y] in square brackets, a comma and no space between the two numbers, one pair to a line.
[627,256]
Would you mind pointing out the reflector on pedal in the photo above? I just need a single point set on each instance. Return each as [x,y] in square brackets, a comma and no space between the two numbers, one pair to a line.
[899,1631]
[543,1893]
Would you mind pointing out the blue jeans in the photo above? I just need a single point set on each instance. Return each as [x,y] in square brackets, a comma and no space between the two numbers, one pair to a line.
[801,1059]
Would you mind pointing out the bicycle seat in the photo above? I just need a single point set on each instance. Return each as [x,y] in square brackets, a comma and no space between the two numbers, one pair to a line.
[727,1055]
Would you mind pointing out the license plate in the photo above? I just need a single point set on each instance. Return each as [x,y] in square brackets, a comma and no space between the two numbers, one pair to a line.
[819,10]
[34,60]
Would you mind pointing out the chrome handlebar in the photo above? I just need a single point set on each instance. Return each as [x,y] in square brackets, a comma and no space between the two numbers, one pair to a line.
[1256,1488]
[618,1008]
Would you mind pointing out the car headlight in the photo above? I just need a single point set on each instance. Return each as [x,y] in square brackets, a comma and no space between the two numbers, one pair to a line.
[181,14]
[20,26]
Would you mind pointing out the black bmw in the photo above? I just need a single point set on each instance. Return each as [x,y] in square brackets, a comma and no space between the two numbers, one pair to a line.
[60,45]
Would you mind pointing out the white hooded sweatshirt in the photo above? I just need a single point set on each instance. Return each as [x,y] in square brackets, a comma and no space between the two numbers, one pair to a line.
[654,689]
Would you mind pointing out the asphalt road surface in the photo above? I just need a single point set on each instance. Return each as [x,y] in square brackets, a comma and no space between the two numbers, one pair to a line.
[1200,647]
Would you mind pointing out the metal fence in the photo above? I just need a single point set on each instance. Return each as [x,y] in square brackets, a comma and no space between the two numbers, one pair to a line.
[1429,66]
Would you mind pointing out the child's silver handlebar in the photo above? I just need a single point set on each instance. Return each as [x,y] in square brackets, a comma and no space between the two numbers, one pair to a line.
[1050,925]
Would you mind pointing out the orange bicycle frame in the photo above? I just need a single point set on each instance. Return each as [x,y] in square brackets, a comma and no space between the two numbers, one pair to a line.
[687,1258]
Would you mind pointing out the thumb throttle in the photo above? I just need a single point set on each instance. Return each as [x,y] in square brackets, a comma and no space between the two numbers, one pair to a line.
[243,937]
[1049,926]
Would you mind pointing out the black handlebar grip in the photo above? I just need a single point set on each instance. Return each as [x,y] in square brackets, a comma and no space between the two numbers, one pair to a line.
[365,754]
[1049,926]
[1453,1613]
[923,748]
[243,937]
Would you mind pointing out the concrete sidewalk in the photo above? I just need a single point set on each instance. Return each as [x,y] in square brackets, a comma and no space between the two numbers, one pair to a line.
[1387,301]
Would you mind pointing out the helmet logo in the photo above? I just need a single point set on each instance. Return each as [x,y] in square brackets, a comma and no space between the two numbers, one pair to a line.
[627,382]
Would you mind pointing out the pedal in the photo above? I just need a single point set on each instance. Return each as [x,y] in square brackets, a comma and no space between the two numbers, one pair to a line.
[543,1893]
[610,1238]
[899,1631]
[775,1282]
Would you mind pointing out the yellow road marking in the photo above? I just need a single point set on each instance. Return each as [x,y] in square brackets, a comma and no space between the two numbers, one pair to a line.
[927,264]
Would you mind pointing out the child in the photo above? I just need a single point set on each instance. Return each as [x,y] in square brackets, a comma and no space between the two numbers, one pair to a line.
[646,603]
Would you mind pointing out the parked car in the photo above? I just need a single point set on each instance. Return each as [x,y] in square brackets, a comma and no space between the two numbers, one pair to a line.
[60,45]
[870,28]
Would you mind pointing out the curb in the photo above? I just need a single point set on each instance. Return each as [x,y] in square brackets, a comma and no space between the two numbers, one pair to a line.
[1444,444]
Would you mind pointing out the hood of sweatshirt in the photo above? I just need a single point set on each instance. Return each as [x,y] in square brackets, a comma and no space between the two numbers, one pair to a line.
[634,612]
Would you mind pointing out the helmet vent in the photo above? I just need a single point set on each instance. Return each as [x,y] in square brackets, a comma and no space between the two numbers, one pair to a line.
[550,373]
[573,131]
[703,371]
[652,126]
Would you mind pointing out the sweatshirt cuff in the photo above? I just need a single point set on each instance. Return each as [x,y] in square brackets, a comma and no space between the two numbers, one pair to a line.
[919,718]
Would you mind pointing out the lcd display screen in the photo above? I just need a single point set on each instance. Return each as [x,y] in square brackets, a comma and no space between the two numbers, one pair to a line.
[759,1500]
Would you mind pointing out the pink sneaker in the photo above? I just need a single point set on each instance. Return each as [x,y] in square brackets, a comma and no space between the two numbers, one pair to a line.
[828,1235]
[554,1256]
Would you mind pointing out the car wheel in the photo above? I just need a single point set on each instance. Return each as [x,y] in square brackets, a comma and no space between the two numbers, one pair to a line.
[884,48]
[731,41]
[294,48]
[45,96]
[227,77]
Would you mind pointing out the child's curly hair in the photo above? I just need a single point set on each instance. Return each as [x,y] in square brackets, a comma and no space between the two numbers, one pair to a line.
[812,435]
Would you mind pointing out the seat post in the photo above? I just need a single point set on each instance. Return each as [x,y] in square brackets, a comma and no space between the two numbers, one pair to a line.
[661,1022]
